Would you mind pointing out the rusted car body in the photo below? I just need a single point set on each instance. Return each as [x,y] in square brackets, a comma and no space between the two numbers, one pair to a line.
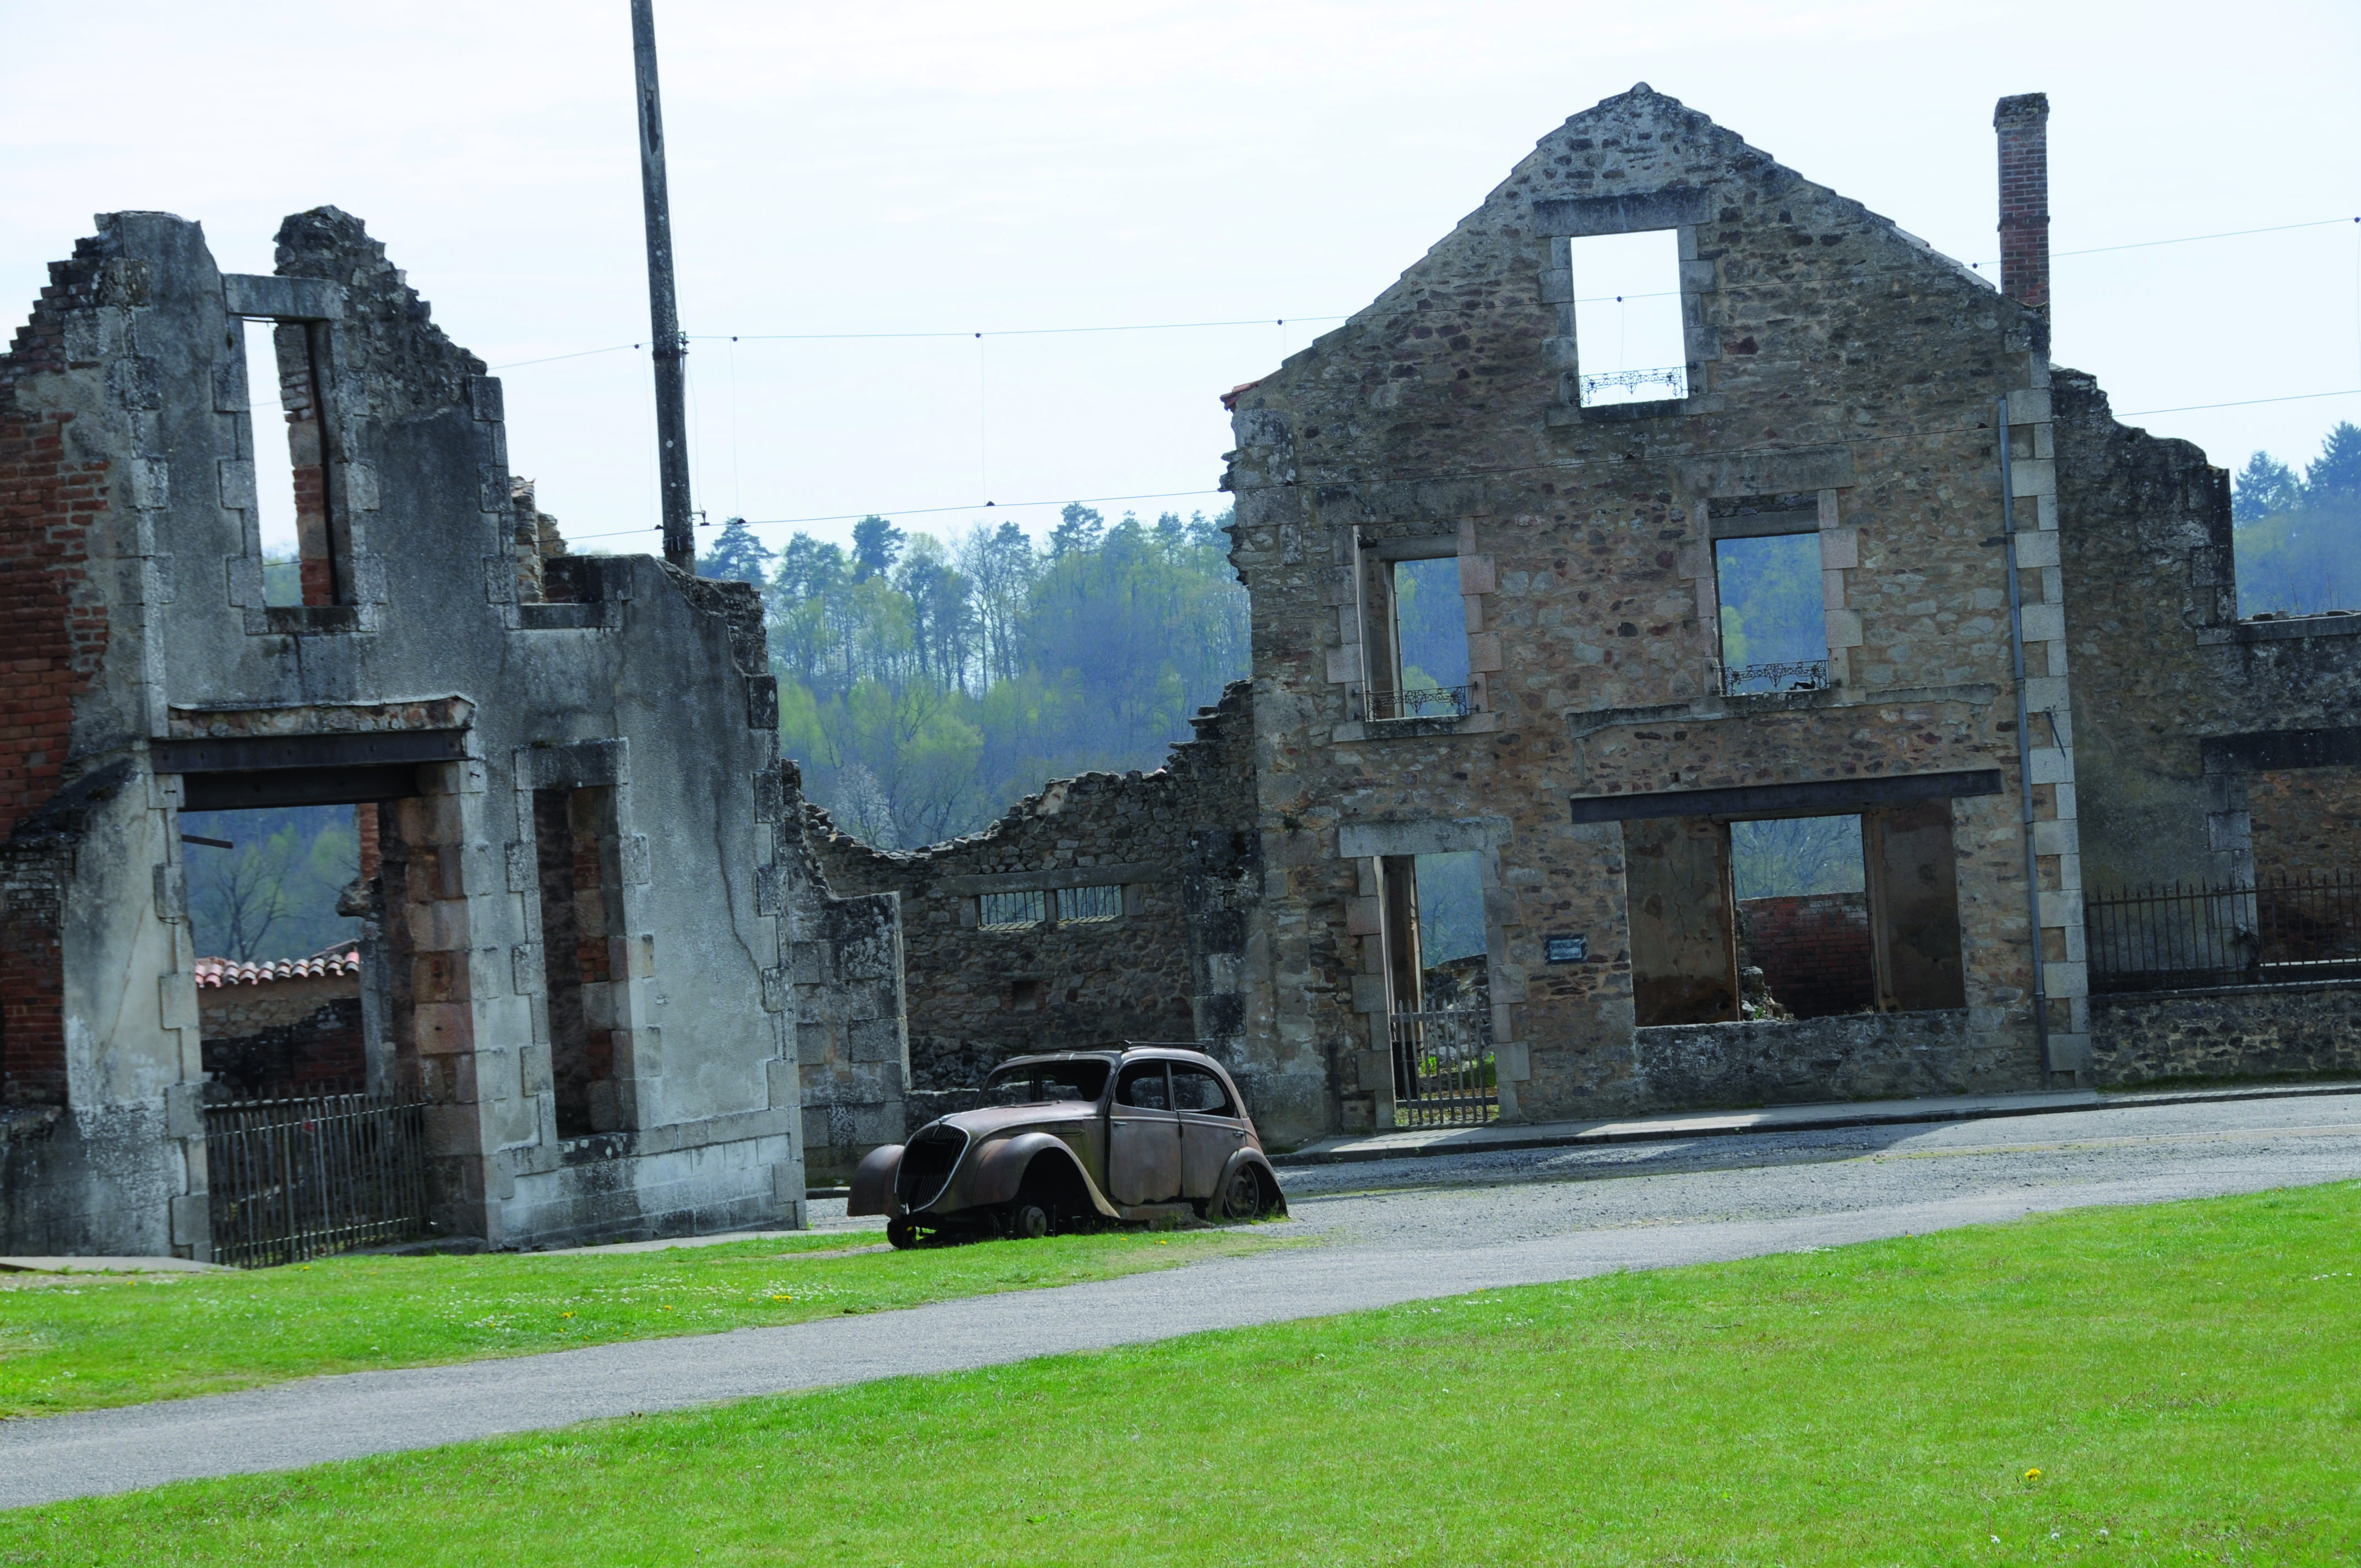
[1072,1139]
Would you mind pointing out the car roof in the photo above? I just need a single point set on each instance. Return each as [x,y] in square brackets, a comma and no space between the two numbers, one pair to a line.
[1118,1051]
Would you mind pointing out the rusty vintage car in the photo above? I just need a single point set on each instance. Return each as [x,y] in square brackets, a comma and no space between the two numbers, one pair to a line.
[1075,1139]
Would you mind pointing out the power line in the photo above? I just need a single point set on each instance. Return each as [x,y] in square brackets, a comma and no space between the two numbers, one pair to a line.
[1395,479]
[1283,321]
[2245,402]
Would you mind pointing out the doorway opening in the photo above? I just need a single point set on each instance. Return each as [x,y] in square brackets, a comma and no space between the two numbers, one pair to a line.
[1438,976]
[276,896]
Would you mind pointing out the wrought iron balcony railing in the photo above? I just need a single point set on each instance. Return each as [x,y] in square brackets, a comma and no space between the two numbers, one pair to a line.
[1798,675]
[1674,379]
[1416,702]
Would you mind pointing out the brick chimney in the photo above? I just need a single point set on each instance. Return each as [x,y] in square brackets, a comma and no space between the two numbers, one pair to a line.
[2023,123]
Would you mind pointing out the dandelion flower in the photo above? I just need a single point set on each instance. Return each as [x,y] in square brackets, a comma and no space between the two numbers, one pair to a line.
[2033,1474]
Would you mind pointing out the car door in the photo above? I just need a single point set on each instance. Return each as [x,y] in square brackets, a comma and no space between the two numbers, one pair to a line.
[1213,1128]
[1143,1137]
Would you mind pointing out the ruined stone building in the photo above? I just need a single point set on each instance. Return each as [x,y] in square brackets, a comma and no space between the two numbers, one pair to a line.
[1841,386]
[1105,907]
[592,931]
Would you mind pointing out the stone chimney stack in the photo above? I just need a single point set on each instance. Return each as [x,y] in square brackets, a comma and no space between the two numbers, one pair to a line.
[2023,123]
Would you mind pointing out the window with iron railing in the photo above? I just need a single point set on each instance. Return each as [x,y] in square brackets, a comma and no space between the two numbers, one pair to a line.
[1012,911]
[1627,318]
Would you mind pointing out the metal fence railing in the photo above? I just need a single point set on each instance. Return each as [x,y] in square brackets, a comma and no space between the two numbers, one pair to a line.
[2177,936]
[1443,1071]
[1796,675]
[1415,702]
[306,1176]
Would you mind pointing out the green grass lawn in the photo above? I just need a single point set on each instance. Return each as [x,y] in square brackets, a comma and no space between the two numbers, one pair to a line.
[76,1342]
[2170,1385]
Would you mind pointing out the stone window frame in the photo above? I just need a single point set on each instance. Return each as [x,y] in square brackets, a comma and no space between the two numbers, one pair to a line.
[1560,222]
[1839,553]
[349,488]
[1348,664]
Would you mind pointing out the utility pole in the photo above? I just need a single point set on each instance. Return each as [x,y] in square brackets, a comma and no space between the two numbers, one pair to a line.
[663,308]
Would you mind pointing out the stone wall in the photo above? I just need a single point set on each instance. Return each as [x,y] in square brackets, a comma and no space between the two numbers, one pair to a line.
[2183,711]
[1105,907]
[1843,382]
[1868,1056]
[2246,1032]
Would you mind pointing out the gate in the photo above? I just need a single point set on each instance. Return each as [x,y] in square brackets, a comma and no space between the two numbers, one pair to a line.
[307,1176]
[1443,1071]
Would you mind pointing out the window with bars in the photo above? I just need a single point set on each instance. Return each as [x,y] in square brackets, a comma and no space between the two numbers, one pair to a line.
[1011,911]
[1031,909]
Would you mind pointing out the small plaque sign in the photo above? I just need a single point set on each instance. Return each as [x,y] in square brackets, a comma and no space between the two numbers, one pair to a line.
[1566,949]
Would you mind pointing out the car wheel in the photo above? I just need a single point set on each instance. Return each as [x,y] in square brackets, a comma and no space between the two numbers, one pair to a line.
[1241,1199]
[901,1233]
[1028,1222]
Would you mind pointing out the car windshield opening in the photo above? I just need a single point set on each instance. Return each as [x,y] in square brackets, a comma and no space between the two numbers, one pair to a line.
[1047,1084]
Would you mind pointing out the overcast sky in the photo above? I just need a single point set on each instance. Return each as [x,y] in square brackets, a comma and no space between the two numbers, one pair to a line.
[951,168]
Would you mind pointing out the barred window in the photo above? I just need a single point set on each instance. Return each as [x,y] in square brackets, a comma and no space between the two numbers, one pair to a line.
[1011,911]
[1082,904]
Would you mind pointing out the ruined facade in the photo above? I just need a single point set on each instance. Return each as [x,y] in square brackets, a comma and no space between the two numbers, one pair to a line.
[594,905]
[1843,385]
[1105,907]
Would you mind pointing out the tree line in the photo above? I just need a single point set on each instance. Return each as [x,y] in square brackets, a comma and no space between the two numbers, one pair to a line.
[2299,539]
[925,683]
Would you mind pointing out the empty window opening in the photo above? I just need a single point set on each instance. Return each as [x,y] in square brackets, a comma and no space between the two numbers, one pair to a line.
[1033,908]
[1793,918]
[577,853]
[277,960]
[1430,639]
[1803,946]
[1774,629]
[1025,996]
[1627,318]
[299,548]
[1417,629]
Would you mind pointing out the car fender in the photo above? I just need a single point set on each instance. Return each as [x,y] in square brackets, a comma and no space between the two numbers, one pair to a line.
[873,1181]
[1256,1158]
[993,1173]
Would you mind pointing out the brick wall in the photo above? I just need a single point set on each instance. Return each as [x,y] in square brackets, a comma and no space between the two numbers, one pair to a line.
[53,633]
[1815,953]
[2023,123]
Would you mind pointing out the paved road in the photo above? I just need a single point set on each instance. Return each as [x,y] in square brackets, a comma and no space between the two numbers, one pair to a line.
[1393,1232]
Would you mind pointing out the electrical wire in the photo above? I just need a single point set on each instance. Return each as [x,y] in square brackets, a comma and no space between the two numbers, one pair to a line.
[1283,321]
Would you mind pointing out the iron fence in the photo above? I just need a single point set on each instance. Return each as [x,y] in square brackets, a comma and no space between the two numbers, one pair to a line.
[1416,702]
[1796,675]
[305,1176]
[1443,1071]
[2179,937]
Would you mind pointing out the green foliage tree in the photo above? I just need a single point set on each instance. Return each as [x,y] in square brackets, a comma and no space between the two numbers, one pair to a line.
[738,555]
[925,694]
[2298,544]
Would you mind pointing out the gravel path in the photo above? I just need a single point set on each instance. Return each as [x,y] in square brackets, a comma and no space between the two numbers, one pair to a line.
[1391,1232]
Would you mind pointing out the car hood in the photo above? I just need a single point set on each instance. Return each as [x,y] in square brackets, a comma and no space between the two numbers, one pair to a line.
[993,1121]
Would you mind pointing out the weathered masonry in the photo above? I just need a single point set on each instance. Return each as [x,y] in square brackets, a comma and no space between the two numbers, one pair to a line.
[1105,907]
[587,942]
[1834,398]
